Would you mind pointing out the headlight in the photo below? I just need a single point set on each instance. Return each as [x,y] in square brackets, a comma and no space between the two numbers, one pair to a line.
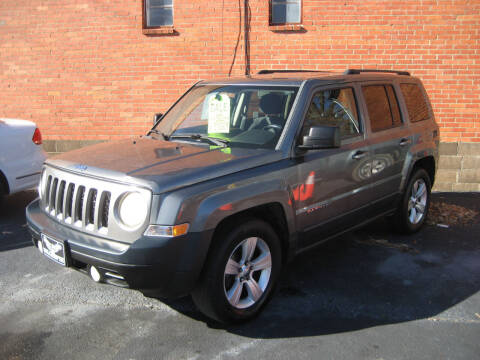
[133,209]
[41,184]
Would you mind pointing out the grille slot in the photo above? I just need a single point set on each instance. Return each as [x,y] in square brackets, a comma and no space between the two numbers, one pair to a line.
[104,208]
[60,198]
[79,204]
[47,192]
[53,195]
[91,202]
[69,201]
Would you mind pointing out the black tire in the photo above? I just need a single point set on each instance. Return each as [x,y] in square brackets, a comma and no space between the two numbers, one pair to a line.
[403,217]
[2,193]
[210,296]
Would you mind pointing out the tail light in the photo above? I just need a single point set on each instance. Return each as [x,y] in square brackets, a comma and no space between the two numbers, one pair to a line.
[37,137]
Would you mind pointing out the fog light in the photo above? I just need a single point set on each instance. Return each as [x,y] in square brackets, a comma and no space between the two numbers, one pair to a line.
[95,274]
[40,246]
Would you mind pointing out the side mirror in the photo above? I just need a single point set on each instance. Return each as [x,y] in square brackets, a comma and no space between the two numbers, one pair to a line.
[321,137]
[157,117]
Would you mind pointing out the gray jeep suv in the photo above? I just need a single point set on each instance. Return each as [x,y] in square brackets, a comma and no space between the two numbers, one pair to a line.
[235,179]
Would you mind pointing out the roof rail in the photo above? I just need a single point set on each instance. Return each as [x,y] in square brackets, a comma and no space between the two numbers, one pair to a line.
[359,71]
[286,71]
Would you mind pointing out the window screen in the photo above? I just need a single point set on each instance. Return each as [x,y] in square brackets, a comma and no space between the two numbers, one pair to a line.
[382,107]
[285,11]
[333,107]
[159,13]
[415,100]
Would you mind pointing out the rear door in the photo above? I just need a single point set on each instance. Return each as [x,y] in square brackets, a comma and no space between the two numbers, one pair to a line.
[331,186]
[390,140]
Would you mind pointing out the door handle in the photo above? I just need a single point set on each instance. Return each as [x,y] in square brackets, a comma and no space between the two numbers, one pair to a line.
[404,142]
[359,155]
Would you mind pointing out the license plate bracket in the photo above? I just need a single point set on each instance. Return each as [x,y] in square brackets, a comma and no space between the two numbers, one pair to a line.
[54,249]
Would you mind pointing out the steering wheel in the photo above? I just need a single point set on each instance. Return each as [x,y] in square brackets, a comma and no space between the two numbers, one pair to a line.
[272,126]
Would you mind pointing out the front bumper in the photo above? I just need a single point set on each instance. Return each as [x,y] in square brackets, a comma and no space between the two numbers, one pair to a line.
[164,267]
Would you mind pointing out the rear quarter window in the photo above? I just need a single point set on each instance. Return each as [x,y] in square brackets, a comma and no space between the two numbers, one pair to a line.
[416,103]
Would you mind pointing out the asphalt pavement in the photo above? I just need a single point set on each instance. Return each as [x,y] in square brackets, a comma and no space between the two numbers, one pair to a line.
[370,294]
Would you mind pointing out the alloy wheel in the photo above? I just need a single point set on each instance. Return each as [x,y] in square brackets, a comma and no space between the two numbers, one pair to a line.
[418,201]
[247,272]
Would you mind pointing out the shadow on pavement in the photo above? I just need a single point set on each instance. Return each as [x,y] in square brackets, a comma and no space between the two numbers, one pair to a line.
[369,278]
[13,230]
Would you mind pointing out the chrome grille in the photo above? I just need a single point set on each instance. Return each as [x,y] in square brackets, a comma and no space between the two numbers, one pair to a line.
[76,205]
[86,203]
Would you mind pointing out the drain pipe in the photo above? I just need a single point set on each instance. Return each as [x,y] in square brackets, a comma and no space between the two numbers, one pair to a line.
[247,36]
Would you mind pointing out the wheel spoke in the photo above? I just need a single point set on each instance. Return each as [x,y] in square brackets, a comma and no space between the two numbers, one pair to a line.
[235,292]
[411,203]
[420,208]
[413,215]
[414,189]
[248,248]
[253,290]
[232,268]
[264,261]
[421,190]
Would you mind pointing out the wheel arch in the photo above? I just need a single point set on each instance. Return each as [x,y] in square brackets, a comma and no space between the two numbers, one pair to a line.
[272,213]
[428,164]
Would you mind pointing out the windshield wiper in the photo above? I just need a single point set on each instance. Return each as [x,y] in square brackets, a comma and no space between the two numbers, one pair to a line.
[155,131]
[212,140]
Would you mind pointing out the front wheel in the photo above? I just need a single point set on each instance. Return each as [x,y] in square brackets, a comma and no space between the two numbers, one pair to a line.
[240,273]
[413,208]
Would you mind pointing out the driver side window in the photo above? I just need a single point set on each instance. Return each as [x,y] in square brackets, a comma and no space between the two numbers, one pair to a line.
[333,107]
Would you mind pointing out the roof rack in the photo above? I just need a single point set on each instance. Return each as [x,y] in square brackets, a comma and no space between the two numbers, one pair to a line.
[261,72]
[359,71]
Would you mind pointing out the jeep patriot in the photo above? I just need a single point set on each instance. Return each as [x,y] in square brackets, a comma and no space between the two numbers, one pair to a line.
[236,178]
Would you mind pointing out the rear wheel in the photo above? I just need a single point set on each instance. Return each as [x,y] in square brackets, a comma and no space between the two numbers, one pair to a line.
[240,273]
[413,208]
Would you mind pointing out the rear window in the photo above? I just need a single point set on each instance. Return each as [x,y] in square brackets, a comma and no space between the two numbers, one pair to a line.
[382,107]
[416,105]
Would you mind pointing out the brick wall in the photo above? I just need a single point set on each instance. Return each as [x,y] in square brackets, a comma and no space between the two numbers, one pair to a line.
[84,70]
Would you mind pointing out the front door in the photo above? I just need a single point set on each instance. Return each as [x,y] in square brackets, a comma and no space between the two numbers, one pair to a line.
[331,184]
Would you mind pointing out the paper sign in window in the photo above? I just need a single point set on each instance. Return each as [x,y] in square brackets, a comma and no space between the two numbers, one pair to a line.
[219,114]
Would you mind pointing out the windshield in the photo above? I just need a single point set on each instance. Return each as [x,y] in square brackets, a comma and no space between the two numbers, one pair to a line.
[237,115]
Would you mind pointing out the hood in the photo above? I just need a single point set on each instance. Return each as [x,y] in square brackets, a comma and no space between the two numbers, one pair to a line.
[161,165]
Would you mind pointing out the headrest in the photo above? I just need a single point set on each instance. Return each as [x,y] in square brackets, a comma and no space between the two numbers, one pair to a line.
[272,103]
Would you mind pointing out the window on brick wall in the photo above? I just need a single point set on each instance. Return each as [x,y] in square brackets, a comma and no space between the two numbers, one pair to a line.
[285,12]
[157,13]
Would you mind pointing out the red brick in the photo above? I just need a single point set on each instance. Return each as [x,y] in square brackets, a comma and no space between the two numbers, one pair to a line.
[86,70]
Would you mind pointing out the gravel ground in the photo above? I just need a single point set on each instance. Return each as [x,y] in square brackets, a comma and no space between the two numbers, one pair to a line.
[367,295]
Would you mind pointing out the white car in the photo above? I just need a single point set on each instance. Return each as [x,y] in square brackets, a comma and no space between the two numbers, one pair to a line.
[21,155]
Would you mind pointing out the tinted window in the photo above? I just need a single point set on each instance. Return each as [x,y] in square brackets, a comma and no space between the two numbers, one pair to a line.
[415,100]
[285,11]
[334,107]
[382,107]
[159,12]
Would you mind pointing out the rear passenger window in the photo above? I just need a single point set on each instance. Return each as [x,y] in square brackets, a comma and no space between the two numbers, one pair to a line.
[382,107]
[333,107]
[415,100]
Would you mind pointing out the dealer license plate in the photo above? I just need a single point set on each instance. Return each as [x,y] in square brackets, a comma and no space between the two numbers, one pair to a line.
[53,249]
